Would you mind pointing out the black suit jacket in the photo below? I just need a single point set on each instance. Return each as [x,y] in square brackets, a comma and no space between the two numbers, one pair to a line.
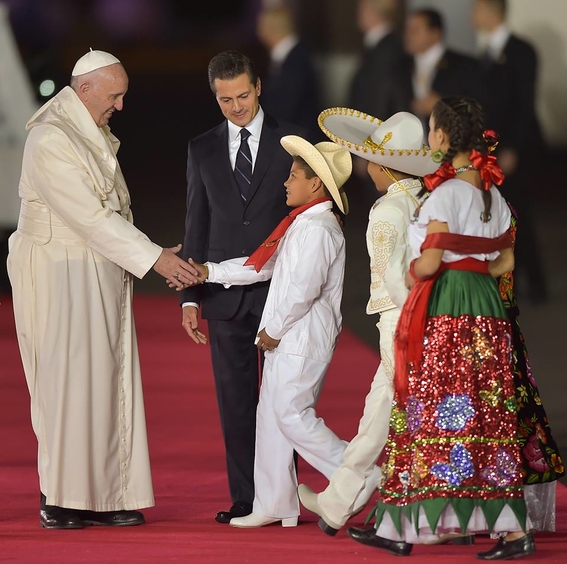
[219,225]
[291,92]
[510,106]
[456,74]
[372,89]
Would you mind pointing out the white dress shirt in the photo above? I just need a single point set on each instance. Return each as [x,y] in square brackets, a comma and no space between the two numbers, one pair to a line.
[282,49]
[303,307]
[424,71]
[375,35]
[255,130]
[497,41]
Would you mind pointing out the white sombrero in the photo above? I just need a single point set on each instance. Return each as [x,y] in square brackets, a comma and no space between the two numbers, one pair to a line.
[330,163]
[396,143]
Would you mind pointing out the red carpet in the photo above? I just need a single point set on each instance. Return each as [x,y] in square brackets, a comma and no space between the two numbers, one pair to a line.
[188,467]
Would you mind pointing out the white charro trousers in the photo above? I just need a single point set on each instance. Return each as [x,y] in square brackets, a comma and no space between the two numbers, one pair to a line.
[354,482]
[286,421]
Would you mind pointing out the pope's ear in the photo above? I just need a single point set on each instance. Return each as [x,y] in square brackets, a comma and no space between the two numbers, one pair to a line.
[83,90]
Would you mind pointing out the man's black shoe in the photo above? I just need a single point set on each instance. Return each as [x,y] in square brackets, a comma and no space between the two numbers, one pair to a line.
[112,518]
[503,550]
[369,538]
[238,509]
[53,517]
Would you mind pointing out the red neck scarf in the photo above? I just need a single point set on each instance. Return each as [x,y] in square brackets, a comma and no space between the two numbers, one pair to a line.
[264,252]
[487,166]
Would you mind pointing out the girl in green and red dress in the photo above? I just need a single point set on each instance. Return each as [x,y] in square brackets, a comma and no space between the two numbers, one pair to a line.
[454,463]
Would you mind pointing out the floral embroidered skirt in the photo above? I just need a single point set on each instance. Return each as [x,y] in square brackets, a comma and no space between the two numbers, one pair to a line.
[453,461]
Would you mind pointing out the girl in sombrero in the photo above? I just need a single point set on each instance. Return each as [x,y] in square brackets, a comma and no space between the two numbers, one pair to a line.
[453,463]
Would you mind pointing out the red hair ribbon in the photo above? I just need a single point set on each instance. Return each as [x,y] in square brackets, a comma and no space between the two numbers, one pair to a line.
[489,169]
[445,172]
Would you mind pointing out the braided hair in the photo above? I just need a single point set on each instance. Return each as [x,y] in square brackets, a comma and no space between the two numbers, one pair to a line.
[462,119]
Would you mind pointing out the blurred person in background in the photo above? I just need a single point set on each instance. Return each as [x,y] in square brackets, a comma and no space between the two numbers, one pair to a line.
[290,90]
[17,104]
[433,71]
[71,264]
[509,66]
[372,87]
[235,198]
[383,53]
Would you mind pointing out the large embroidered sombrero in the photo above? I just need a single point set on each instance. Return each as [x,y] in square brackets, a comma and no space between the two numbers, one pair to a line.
[396,143]
[330,163]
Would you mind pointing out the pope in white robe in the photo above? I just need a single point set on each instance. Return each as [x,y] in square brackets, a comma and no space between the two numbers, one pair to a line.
[71,265]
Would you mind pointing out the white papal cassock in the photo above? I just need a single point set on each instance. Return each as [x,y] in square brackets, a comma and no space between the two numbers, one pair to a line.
[71,263]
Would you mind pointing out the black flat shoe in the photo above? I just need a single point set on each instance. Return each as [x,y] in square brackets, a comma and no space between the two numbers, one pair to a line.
[53,517]
[112,518]
[369,538]
[503,550]
[238,509]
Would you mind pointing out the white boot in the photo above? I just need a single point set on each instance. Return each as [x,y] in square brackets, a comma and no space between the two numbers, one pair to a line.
[254,520]
[308,499]
[370,486]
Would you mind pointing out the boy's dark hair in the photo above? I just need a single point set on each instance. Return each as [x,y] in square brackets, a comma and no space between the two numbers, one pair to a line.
[229,65]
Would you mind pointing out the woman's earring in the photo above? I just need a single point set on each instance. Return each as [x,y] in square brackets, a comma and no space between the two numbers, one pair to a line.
[438,156]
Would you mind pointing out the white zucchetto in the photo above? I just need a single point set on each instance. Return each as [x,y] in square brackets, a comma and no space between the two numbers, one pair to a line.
[93,60]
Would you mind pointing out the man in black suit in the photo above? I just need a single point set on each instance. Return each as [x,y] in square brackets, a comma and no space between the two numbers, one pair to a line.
[432,71]
[235,198]
[369,90]
[510,73]
[290,90]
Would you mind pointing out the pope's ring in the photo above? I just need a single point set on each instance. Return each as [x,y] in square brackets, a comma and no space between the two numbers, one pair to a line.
[176,275]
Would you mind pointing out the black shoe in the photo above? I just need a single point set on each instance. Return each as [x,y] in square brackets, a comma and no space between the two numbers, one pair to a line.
[238,509]
[369,538]
[503,550]
[112,518]
[53,517]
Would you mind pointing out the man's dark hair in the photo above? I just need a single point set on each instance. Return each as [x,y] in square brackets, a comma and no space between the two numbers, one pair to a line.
[433,19]
[228,65]
[501,6]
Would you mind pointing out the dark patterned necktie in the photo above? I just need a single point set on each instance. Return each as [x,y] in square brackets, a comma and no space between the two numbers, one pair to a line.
[243,168]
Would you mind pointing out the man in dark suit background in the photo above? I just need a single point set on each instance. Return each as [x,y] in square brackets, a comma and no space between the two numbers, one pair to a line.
[510,73]
[369,89]
[235,198]
[290,90]
[433,71]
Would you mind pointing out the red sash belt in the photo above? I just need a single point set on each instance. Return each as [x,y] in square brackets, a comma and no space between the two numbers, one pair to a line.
[410,331]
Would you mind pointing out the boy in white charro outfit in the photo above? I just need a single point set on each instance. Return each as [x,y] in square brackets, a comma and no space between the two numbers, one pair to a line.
[305,257]
[396,157]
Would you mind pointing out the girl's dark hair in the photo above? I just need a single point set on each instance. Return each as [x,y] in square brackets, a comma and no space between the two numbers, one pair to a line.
[462,119]
[229,65]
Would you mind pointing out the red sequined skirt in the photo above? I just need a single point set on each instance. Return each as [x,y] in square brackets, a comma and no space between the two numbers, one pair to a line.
[454,441]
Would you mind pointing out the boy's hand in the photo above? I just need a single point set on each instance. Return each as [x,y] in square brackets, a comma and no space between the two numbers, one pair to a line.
[265,342]
[202,270]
